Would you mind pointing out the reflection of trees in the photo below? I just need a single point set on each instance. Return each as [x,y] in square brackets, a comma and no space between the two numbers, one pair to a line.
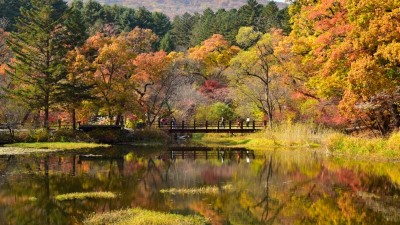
[45,177]
[304,189]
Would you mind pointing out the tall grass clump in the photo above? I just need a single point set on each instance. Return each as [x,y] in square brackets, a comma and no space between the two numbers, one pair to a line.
[298,134]
[280,135]
[139,216]
[380,147]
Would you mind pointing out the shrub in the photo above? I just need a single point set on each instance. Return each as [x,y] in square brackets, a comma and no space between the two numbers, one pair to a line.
[215,112]
[69,135]
[40,135]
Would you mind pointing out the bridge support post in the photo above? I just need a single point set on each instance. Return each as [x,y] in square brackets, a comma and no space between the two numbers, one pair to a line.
[254,125]
[194,124]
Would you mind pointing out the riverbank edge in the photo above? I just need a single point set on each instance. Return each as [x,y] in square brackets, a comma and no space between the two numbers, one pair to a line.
[334,143]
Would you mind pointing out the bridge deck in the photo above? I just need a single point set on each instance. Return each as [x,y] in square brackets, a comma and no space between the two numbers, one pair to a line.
[218,127]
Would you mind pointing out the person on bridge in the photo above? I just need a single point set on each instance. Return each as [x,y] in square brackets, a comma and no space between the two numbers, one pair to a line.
[238,121]
[223,122]
[173,123]
[247,121]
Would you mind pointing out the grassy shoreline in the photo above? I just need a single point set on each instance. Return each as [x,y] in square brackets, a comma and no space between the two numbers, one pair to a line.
[57,145]
[303,136]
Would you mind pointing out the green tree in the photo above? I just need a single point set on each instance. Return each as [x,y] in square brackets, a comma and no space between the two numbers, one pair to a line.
[182,30]
[161,24]
[268,18]
[167,43]
[126,20]
[144,18]
[39,54]
[9,10]
[249,13]
[215,112]
[247,37]
[75,27]
[256,73]
[203,28]
[93,13]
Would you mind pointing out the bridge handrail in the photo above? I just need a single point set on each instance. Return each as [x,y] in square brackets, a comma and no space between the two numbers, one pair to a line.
[213,125]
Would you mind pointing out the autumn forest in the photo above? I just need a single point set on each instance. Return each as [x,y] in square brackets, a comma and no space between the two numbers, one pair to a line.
[331,62]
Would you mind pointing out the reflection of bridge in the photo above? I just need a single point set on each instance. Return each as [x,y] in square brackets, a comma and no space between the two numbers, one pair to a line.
[213,127]
[208,153]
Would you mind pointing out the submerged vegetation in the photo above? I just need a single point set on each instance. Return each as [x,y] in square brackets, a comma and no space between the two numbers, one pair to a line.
[195,191]
[139,216]
[86,195]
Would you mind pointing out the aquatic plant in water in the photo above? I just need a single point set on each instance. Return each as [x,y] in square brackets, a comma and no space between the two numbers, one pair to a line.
[86,195]
[194,191]
[140,216]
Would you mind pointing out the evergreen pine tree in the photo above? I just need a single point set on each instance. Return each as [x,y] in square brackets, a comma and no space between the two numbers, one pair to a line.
[40,53]
[182,30]
[73,89]
[167,43]
[248,14]
[204,28]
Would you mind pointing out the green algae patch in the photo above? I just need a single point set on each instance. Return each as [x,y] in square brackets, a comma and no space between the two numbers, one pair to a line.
[139,216]
[57,145]
[85,195]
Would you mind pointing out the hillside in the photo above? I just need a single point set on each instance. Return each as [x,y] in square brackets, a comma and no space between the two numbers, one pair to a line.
[178,7]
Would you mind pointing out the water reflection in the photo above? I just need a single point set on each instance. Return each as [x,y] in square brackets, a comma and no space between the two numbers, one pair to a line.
[222,154]
[282,187]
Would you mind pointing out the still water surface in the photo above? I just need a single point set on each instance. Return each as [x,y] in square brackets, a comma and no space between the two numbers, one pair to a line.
[270,187]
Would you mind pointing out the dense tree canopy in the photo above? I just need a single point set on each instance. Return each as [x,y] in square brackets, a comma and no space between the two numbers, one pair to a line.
[331,62]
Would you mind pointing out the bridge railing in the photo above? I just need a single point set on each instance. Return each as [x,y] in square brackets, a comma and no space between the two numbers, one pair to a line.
[212,125]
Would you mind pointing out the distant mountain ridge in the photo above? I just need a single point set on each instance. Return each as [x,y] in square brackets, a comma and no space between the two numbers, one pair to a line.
[179,7]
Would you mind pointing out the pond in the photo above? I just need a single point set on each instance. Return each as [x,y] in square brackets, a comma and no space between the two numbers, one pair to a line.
[229,186]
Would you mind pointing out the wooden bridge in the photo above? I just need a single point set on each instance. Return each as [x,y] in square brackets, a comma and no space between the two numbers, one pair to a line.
[213,127]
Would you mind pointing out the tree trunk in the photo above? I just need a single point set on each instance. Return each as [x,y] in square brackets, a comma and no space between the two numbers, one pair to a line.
[396,115]
[119,119]
[270,119]
[46,117]
[110,117]
[73,117]
[26,117]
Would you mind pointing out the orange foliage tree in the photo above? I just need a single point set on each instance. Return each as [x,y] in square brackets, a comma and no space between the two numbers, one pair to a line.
[213,55]
[155,83]
[346,51]
[109,63]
